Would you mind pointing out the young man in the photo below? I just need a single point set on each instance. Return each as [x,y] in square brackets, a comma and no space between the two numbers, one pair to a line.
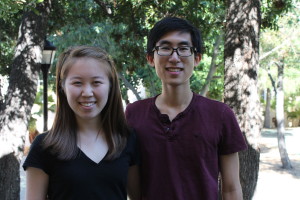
[185,139]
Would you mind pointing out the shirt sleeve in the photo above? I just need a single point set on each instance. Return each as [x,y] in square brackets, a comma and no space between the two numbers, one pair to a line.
[134,149]
[37,155]
[232,138]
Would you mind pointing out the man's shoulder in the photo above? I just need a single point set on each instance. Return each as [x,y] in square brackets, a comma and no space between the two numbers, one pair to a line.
[206,102]
[140,103]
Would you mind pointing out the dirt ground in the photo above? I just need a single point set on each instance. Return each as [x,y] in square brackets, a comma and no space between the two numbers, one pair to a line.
[275,183]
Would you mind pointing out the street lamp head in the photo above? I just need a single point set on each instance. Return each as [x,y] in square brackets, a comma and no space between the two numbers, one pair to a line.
[48,53]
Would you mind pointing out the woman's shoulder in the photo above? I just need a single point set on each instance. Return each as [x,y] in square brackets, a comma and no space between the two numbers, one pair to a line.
[40,137]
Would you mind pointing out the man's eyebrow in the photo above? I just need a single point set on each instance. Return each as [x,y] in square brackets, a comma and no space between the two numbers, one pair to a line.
[163,42]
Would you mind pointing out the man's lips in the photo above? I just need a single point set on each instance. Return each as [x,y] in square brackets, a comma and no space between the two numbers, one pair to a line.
[174,69]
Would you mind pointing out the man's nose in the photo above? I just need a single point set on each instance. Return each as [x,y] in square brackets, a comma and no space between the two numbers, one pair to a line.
[174,56]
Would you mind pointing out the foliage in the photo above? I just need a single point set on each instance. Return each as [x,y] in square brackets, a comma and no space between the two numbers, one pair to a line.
[273,10]
[11,7]
[121,27]
[8,39]
[283,44]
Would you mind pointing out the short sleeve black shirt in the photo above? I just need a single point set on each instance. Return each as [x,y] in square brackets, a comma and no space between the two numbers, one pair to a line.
[82,178]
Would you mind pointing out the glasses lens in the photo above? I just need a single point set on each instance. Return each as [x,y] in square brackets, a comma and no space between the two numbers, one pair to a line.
[184,51]
[164,51]
[167,51]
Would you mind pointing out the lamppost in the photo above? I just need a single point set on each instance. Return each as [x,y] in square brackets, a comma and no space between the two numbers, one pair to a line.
[47,60]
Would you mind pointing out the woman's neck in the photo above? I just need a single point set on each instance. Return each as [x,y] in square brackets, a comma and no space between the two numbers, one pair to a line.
[88,126]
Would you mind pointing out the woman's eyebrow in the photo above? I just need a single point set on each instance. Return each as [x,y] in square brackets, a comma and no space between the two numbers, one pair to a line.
[93,77]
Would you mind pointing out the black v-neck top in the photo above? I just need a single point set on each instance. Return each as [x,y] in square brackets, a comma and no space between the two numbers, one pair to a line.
[82,178]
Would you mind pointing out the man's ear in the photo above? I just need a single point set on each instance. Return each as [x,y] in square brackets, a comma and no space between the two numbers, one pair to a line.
[150,59]
[198,58]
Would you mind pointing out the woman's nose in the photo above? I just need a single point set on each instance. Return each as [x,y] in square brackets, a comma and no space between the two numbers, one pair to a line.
[87,90]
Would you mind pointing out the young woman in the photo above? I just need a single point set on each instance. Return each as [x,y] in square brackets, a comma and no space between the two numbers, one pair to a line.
[89,153]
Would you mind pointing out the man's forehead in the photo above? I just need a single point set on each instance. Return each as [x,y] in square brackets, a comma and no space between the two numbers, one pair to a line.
[175,37]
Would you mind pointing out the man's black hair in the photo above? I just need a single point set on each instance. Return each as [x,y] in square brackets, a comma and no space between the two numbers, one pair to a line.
[170,24]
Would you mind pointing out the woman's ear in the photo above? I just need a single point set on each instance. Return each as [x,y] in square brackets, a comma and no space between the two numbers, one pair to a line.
[62,88]
[150,59]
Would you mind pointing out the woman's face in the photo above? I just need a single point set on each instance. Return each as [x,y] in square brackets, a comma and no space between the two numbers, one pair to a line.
[87,88]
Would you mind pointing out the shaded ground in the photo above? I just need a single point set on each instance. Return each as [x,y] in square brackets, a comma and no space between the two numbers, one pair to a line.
[275,183]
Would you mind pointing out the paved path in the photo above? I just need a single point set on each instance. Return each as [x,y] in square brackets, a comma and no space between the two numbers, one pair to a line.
[275,183]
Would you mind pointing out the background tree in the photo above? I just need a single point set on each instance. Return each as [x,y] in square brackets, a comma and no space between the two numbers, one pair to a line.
[279,44]
[241,55]
[267,119]
[15,113]
[286,163]
[241,65]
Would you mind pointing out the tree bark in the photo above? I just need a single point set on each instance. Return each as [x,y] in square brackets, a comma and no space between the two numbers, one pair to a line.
[286,163]
[15,112]
[1,97]
[267,120]
[241,57]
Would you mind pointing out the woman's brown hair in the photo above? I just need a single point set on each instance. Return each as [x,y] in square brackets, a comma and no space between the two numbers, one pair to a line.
[61,139]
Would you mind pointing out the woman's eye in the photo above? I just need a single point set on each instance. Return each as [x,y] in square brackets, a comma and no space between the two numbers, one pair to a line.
[97,82]
[76,83]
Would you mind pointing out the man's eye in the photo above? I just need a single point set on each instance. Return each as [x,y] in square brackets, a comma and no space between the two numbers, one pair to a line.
[183,48]
[165,48]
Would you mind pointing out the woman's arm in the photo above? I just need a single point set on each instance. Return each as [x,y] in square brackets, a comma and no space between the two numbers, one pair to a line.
[36,184]
[231,187]
[133,186]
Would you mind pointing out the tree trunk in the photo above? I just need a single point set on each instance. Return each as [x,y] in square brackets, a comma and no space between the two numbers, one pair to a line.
[267,120]
[1,97]
[241,57]
[15,112]
[286,163]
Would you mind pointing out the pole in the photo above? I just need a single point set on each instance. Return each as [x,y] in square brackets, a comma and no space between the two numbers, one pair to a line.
[45,69]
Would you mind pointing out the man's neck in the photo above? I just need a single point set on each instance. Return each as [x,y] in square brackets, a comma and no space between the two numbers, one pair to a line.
[172,102]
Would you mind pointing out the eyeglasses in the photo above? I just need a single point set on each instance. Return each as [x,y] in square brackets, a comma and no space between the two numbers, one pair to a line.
[184,51]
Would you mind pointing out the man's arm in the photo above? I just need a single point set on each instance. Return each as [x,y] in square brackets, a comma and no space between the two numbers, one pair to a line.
[133,187]
[231,187]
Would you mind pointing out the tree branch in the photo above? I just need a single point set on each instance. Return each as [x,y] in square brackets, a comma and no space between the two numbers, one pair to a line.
[105,7]
[213,65]
[129,86]
[271,77]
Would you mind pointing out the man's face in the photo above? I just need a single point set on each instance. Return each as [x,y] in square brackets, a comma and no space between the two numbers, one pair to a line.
[174,70]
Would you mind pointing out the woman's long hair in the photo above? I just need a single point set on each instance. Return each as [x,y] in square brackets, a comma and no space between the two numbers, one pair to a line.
[62,137]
